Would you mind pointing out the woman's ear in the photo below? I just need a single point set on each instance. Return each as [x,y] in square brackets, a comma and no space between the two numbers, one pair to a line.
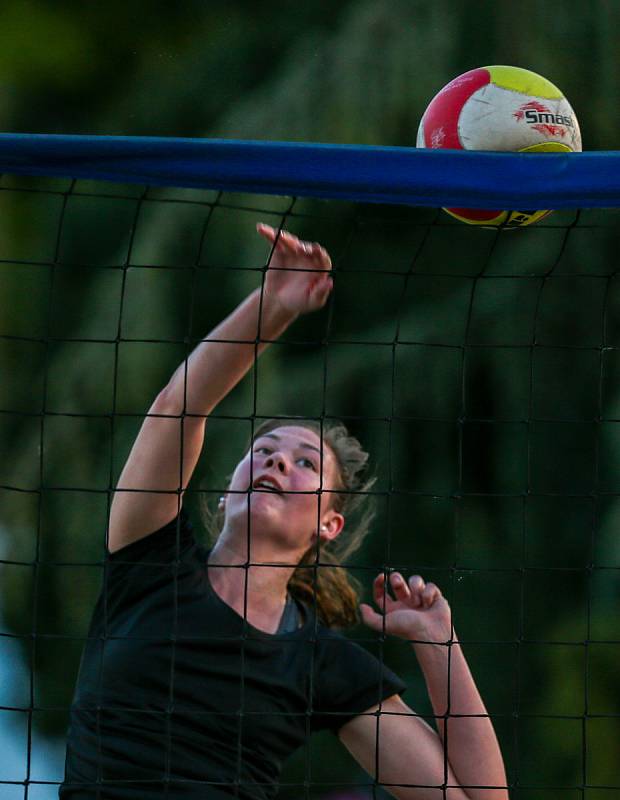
[331,526]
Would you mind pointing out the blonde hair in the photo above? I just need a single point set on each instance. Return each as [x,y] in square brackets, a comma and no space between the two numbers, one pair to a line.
[320,579]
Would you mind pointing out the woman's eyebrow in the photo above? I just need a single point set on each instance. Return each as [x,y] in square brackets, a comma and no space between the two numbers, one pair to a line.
[310,447]
[277,438]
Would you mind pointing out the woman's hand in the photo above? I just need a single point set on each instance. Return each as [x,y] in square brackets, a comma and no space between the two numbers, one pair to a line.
[298,279]
[418,610]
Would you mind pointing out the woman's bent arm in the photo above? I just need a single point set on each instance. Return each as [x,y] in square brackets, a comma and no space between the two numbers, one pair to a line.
[465,727]
[165,453]
[463,761]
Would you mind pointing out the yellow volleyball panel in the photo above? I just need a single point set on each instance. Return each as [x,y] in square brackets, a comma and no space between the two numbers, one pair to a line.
[547,147]
[525,81]
[519,219]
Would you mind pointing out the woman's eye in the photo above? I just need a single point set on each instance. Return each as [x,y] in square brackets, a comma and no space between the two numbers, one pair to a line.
[261,450]
[307,463]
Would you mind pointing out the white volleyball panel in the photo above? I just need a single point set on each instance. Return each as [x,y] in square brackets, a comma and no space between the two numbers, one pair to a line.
[494,118]
[419,142]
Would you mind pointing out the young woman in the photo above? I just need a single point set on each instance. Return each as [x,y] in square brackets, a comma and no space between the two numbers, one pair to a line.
[205,669]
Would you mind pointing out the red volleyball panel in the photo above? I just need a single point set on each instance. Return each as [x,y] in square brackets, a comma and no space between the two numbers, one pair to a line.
[442,115]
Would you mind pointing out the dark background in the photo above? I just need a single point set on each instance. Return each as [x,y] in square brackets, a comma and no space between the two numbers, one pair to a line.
[481,370]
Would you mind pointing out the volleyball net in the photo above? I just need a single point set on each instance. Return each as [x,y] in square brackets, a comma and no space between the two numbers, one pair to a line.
[480,367]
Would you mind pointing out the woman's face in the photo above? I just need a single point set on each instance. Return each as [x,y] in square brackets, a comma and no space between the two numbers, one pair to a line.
[284,482]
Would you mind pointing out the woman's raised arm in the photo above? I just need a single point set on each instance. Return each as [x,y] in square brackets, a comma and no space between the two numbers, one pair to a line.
[165,453]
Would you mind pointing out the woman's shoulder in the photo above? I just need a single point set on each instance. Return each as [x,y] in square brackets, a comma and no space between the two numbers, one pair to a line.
[350,650]
[174,541]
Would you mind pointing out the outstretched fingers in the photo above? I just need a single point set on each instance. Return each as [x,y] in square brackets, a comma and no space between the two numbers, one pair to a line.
[287,244]
[281,238]
[320,257]
[266,231]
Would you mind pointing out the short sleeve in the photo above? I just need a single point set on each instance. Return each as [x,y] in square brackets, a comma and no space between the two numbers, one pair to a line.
[162,546]
[150,561]
[350,680]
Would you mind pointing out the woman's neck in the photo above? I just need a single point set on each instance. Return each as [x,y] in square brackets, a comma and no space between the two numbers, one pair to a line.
[256,592]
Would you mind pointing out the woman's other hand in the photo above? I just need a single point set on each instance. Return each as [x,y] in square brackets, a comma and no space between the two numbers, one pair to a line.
[417,610]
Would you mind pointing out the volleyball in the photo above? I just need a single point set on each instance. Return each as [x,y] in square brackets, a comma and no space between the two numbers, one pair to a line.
[500,108]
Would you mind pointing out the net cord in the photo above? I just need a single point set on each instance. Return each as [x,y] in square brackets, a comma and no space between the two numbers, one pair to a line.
[404,175]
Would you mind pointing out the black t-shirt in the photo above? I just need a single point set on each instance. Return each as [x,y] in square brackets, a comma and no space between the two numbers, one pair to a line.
[179,697]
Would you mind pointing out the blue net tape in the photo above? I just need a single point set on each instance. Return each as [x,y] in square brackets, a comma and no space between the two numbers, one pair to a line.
[366,174]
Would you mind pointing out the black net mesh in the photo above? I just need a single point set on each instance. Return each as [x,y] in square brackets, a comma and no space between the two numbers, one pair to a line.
[479,368]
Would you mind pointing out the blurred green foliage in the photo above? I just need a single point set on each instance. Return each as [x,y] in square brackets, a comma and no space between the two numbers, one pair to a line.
[480,370]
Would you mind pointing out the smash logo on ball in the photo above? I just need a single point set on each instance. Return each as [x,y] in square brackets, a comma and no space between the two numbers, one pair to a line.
[542,119]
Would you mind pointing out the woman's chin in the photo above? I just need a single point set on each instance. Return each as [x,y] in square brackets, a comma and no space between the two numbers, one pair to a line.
[261,511]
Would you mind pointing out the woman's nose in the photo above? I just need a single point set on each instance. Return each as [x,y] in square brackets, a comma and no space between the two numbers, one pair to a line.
[276,460]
